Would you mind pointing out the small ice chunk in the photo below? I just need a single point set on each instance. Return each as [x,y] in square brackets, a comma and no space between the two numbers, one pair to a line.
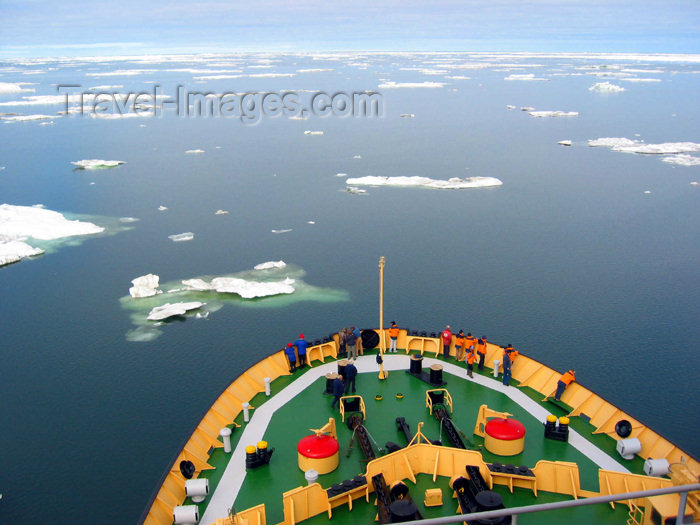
[540,114]
[612,142]
[509,106]
[281,231]
[269,264]
[357,156]
[310,222]
[564,142]
[162,208]
[407,115]
[694,183]
[646,192]
[128,219]
[145,286]
[606,87]
[221,212]
[194,151]
[309,132]
[181,237]
[168,310]
[450,184]
[682,160]
[97,164]
[341,174]
[527,108]
[355,191]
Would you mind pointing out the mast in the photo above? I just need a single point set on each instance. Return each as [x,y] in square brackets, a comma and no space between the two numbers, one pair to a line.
[382,373]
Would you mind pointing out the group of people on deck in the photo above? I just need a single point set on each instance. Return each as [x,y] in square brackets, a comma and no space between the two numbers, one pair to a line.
[467,348]
[350,342]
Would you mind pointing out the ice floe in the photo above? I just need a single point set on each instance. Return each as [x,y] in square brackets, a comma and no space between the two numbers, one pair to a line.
[395,85]
[282,231]
[270,264]
[606,87]
[162,208]
[341,174]
[221,212]
[564,142]
[13,251]
[96,164]
[169,310]
[450,184]
[274,286]
[641,79]
[9,88]
[525,76]
[20,223]
[541,114]
[145,286]
[181,237]
[194,151]
[242,287]
[26,118]
[407,115]
[638,146]
[128,219]
[510,106]
[682,160]
[309,132]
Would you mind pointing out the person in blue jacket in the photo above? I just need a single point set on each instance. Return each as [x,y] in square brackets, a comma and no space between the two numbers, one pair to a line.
[291,356]
[337,392]
[301,345]
[350,375]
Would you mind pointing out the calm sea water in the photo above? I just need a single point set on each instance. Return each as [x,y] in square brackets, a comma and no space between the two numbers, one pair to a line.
[569,260]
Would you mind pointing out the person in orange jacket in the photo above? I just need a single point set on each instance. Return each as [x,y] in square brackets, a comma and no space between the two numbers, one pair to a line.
[469,342]
[393,335]
[481,350]
[512,351]
[470,358]
[563,382]
[459,344]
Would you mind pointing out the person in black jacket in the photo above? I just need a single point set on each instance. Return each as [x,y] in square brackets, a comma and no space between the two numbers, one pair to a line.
[350,375]
[337,392]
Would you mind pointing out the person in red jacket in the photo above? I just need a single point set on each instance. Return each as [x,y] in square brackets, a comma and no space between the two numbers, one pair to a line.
[563,382]
[446,337]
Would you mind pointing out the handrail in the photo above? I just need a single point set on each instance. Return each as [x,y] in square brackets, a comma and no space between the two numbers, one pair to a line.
[682,489]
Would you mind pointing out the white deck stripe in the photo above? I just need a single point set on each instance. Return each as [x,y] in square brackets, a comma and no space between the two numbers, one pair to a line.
[254,431]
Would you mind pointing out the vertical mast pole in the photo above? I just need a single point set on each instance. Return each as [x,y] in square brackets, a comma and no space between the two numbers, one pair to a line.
[382,373]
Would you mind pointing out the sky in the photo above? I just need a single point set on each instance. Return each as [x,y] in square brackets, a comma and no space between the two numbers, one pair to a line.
[98,27]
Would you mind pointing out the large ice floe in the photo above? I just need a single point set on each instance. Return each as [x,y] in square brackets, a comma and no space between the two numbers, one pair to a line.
[19,224]
[453,183]
[606,87]
[96,164]
[675,152]
[541,114]
[269,284]
[9,88]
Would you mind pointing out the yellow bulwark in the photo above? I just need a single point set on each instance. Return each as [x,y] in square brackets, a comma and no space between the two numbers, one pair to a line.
[404,464]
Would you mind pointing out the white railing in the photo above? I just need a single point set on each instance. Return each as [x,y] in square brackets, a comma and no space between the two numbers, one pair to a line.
[683,490]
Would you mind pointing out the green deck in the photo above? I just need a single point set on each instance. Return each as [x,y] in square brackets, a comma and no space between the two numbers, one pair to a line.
[311,409]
